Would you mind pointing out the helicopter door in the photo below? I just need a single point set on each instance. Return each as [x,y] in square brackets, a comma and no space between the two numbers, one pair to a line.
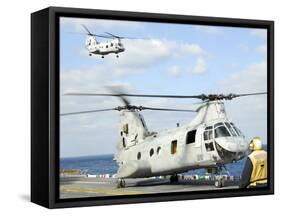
[209,139]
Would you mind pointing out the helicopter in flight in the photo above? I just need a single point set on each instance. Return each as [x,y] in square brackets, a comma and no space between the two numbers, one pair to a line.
[210,140]
[95,47]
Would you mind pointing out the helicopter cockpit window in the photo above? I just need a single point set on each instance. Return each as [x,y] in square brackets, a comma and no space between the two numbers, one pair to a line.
[208,133]
[218,124]
[221,131]
[239,133]
[232,131]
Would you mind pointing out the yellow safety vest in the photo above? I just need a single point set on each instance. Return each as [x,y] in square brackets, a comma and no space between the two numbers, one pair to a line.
[259,172]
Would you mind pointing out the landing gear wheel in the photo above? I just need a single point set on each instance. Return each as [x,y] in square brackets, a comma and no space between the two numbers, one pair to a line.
[102,56]
[219,183]
[117,56]
[121,183]
[174,178]
[90,54]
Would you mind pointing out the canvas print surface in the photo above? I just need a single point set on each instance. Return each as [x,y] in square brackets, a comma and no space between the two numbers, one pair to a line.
[149,107]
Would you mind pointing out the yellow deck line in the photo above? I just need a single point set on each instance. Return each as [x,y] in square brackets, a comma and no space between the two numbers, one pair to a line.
[104,191]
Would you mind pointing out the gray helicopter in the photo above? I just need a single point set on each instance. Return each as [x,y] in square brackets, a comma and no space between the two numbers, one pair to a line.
[209,141]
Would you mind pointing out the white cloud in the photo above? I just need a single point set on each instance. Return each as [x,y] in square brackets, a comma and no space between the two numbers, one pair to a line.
[249,113]
[200,66]
[252,78]
[141,54]
[174,71]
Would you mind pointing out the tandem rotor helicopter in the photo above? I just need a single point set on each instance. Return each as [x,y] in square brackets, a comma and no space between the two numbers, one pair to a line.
[209,141]
[114,46]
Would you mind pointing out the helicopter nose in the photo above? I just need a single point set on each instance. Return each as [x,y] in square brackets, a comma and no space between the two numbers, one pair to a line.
[233,144]
[231,148]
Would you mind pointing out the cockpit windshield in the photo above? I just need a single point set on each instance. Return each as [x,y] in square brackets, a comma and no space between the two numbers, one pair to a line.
[221,131]
[231,129]
[239,133]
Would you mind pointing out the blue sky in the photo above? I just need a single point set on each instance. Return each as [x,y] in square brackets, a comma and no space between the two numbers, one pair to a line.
[164,59]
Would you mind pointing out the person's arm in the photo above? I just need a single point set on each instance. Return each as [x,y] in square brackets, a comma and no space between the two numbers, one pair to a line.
[246,174]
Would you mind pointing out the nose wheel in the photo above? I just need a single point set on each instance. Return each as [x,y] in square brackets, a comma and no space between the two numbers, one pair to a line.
[102,56]
[219,180]
[117,56]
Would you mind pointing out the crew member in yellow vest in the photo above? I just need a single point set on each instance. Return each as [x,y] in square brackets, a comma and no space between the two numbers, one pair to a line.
[255,170]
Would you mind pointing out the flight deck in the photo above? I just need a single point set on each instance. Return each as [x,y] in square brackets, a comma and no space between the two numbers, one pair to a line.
[79,187]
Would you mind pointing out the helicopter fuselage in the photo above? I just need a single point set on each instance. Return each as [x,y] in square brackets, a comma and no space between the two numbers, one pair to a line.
[203,143]
[104,48]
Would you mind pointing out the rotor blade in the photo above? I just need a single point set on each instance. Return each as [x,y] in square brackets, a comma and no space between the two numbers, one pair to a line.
[90,33]
[166,109]
[112,35]
[102,36]
[96,35]
[88,111]
[120,37]
[86,29]
[242,95]
[203,97]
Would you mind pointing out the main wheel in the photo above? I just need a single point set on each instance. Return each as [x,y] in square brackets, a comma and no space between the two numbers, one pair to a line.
[219,183]
[102,56]
[174,178]
[117,56]
[121,183]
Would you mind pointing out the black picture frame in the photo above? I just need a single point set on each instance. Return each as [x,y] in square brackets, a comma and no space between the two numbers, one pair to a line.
[45,106]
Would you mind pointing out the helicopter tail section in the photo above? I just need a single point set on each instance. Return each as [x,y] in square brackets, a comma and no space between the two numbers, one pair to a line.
[132,129]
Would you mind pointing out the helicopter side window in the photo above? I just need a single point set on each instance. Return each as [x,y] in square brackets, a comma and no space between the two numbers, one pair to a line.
[158,150]
[190,138]
[151,152]
[221,131]
[126,128]
[124,142]
[174,146]
[106,46]
[139,156]
[209,146]
[111,44]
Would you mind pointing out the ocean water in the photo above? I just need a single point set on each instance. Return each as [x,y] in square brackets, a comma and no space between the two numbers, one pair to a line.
[101,164]
[104,164]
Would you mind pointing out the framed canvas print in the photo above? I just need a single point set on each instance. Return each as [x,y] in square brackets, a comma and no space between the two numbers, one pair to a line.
[138,107]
